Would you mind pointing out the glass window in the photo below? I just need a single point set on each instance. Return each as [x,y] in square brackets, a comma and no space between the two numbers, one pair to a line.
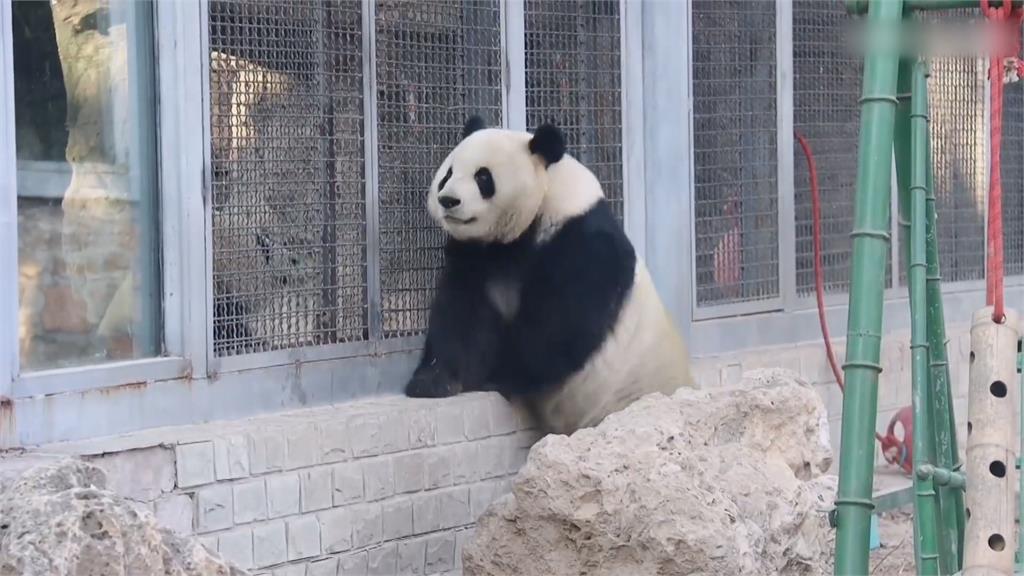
[88,257]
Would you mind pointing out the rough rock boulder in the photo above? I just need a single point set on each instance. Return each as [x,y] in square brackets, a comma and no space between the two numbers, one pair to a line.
[729,482]
[59,519]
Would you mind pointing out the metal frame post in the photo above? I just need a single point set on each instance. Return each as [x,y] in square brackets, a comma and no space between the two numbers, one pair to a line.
[942,432]
[8,228]
[947,453]
[926,506]
[870,245]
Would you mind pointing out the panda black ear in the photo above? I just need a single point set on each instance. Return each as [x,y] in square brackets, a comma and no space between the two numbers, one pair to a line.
[548,142]
[473,123]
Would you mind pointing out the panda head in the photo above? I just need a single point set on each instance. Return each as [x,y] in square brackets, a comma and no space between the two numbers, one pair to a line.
[491,186]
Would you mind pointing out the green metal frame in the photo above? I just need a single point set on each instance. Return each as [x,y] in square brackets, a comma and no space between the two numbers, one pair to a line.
[870,246]
[926,505]
[894,122]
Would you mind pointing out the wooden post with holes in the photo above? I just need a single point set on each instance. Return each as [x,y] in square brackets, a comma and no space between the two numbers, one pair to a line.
[991,445]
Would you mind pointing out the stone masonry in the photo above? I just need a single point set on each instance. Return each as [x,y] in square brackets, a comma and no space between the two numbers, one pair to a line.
[383,486]
[392,485]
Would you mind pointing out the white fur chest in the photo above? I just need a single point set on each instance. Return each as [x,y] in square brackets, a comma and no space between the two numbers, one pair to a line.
[504,294]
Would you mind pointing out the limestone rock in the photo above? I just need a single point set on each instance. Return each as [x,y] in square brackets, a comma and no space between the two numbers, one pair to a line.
[59,519]
[726,482]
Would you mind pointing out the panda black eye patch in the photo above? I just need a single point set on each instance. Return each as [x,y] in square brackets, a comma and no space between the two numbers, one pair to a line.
[444,180]
[484,182]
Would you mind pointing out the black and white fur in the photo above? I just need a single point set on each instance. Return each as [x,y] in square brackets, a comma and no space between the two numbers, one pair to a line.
[543,297]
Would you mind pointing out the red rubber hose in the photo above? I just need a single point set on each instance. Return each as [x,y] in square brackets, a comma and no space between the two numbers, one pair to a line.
[819,274]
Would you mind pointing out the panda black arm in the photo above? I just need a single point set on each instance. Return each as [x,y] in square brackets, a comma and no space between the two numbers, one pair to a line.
[570,302]
[462,330]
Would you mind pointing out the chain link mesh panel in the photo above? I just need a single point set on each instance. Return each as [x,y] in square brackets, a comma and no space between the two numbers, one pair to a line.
[437,62]
[289,235]
[1013,179]
[826,92]
[959,138]
[736,193]
[574,79]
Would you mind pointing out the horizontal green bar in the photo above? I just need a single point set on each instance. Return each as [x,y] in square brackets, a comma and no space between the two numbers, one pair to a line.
[861,6]
[943,477]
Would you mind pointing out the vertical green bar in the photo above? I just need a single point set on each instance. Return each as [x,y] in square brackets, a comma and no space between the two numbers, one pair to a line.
[926,501]
[951,505]
[947,454]
[870,246]
[901,146]
[904,162]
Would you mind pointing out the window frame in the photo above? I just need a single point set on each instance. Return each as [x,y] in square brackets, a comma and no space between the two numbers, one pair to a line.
[634,201]
[733,328]
[783,176]
[188,384]
[9,359]
[176,224]
[790,301]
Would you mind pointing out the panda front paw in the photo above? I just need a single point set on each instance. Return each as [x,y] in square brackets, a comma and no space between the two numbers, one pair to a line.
[431,382]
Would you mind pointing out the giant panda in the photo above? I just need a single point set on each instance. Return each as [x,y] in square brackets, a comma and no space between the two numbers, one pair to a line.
[542,297]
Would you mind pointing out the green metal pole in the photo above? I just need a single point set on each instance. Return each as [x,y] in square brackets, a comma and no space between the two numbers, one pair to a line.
[951,502]
[854,505]
[902,148]
[904,162]
[926,501]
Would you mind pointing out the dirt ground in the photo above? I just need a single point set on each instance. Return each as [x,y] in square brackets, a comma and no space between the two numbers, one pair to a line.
[896,556]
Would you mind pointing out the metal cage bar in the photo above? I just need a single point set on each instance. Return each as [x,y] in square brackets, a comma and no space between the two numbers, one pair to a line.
[371,171]
[959,136]
[515,64]
[437,62]
[574,78]
[634,179]
[827,77]
[182,204]
[1013,179]
[735,150]
[287,175]
[785,150]
[8,217]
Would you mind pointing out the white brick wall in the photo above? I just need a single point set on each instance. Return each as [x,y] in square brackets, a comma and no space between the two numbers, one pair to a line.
[270,543]
[394,485]
[382,486]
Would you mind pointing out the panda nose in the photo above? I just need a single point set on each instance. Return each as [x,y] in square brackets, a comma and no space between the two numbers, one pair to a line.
[448,202]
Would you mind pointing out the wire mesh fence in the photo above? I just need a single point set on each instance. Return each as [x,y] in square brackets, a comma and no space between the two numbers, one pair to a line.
[826,91]
[292,263]
[437,62]
[1013,179]
[288,194]
[574,78]
[735,155]
[959,137]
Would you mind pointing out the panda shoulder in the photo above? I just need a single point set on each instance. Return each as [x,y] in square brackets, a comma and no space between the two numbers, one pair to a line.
[595,241]
[599,225]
